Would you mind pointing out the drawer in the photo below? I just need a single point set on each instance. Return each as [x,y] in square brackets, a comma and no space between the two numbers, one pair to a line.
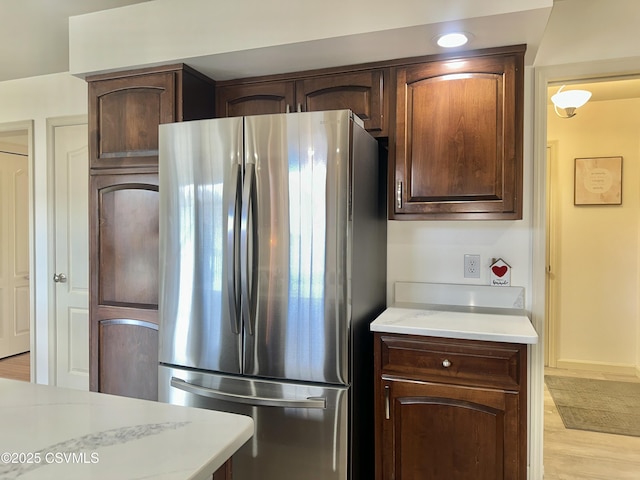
[444,360]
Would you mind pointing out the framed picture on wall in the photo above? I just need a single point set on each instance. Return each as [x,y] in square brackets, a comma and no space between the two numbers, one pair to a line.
[598,181]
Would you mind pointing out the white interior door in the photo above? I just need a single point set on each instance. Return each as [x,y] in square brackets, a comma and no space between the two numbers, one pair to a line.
[71,255]
[14,254]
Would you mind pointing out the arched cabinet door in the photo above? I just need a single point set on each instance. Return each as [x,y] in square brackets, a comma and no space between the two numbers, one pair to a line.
[255,99]
[125,109]
[444,432]
[125,114]
[124,284]
[363,92]
[458,149]
[126,240]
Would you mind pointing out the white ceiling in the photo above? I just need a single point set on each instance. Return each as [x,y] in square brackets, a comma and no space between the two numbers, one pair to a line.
[34,34]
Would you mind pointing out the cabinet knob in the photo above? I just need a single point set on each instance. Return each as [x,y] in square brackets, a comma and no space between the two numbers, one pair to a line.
[446,363]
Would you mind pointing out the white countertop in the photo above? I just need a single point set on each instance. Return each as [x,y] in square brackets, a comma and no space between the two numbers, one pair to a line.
[56,433]
[440,321]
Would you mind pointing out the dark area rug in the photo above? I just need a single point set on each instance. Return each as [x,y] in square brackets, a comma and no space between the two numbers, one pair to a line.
[597,405]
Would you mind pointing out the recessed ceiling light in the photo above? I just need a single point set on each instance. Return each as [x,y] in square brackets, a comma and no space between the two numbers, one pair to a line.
[451,40]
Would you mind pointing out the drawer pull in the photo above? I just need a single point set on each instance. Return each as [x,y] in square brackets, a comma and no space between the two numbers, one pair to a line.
[446,363]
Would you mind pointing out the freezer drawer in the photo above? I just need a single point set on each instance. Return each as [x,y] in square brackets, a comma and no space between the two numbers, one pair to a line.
[301,430]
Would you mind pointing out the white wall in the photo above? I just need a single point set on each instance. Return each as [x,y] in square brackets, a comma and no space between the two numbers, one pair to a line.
[36,99]
[597,250]
[433,251]
[587,30]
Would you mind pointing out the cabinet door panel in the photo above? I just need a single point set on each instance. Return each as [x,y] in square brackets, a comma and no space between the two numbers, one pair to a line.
[451,433]
[124,115]
[126,240]
[361,92]
[128,358]
[458,152]
[255,99]
[455,154]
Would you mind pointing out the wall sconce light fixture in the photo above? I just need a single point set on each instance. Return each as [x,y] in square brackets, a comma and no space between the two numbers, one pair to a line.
[569,101]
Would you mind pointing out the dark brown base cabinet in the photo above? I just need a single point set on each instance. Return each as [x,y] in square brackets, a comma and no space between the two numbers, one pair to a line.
[125,109]
[448,409]
[225,472]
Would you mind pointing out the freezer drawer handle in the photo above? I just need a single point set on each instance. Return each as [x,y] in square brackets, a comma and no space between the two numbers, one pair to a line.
[309,402]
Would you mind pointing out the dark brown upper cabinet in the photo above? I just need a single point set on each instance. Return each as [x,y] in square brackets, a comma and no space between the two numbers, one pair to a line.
[458,138]
[362,91]
[125,110]
[255,99]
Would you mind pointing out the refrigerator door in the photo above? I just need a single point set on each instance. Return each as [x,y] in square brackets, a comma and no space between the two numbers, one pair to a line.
[200,175]
[295,312]
[300,430]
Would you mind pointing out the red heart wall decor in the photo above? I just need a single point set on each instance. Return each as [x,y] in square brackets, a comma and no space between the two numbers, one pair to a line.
[499,271]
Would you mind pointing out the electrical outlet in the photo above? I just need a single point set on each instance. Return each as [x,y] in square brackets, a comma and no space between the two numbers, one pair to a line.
[472,266]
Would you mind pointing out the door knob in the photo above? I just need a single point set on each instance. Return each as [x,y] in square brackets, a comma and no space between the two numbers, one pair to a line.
[59,277]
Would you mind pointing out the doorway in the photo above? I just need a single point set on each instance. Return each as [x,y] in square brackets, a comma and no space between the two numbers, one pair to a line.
[545,76]
[15,318]
[592,268]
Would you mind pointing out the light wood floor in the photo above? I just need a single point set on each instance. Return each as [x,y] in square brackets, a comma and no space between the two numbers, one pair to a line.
[16,367]
[580,455]
[568,454]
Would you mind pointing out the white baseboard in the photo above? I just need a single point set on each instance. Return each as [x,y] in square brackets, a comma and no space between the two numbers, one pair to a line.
[601,367]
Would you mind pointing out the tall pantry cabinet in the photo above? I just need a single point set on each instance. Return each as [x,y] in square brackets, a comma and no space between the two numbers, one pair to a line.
[125,109]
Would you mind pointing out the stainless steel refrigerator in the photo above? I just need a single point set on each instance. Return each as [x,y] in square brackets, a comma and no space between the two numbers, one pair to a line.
[273,264]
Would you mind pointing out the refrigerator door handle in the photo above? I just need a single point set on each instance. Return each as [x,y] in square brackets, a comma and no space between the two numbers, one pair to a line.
[234,313]
[249,204]
[307,402]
